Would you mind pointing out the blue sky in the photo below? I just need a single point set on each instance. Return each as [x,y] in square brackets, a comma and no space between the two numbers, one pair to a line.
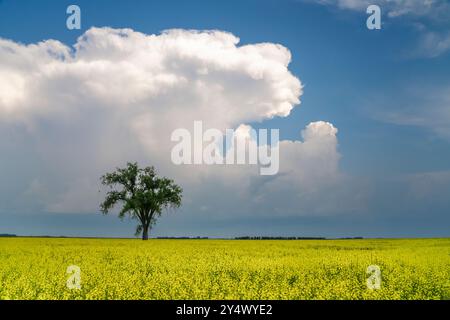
[387,91]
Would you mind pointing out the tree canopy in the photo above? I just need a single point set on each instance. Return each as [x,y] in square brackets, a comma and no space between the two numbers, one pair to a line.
[144,196]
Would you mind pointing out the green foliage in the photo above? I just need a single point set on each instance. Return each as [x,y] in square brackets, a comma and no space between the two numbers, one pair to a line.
[142,193]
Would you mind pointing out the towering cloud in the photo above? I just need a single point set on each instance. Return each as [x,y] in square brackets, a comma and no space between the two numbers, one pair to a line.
[68,114]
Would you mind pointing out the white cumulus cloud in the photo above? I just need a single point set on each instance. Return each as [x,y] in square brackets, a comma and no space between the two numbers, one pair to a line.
[69,114]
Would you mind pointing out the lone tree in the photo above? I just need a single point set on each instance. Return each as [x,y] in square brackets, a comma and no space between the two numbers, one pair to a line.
[143,194]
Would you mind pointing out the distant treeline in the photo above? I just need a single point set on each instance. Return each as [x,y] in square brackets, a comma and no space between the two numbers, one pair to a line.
[349,238]
[198,237]
[279,238]
[181,237]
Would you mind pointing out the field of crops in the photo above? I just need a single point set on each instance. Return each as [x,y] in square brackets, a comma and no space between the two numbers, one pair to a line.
[36,268]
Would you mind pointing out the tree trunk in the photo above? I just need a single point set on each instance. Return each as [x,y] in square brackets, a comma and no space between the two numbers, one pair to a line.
[144,232]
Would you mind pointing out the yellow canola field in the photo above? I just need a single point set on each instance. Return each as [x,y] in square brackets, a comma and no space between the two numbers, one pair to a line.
[37,268]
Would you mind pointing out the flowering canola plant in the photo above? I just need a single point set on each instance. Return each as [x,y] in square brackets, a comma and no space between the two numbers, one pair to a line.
[37,268]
